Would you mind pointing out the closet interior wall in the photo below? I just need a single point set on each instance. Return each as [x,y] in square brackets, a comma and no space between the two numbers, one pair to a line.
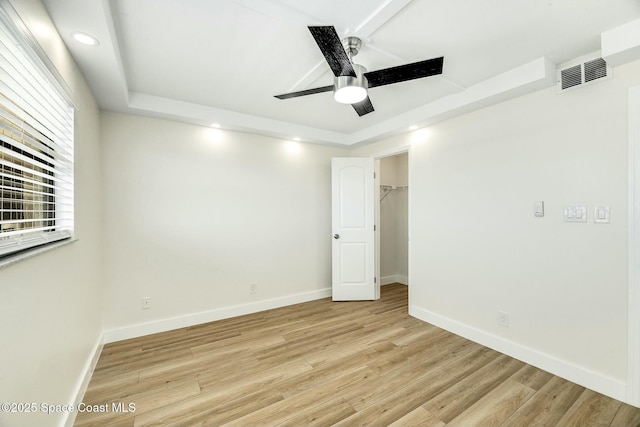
[394,198]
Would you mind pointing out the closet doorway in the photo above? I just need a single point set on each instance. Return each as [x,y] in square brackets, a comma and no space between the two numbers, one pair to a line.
[392,212]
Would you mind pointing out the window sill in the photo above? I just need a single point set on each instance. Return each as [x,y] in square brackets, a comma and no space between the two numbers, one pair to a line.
[35,252]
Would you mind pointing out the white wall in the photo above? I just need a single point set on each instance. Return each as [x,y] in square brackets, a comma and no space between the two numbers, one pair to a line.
[194,215]
[393,220]
[50,304]
[476,247]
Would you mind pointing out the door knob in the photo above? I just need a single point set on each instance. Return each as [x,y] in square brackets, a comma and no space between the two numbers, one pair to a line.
[336,236]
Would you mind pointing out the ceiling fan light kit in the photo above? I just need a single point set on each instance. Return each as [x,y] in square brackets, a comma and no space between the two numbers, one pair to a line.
[351,90]
[352,81]
[349,93]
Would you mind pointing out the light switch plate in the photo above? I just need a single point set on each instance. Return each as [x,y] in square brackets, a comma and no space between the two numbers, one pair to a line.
[601,215]
[538,209]
[575,213]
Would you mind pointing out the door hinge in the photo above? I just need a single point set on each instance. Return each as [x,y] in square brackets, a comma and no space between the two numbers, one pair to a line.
[374,227]
[375,280]
[374,175]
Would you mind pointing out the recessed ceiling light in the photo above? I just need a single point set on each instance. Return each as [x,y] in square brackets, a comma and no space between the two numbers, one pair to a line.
[215,125]
[85,39]
[413,127]
[296,138]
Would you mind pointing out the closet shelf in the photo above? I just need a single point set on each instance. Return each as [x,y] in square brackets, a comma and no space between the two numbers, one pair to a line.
[386,189]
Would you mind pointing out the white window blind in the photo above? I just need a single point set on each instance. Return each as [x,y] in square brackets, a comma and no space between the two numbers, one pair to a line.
[36,146]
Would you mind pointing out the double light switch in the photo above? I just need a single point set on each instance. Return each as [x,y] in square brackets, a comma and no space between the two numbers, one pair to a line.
[575,213]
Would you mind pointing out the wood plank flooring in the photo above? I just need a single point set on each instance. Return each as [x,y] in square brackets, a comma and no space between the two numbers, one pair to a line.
[323,363]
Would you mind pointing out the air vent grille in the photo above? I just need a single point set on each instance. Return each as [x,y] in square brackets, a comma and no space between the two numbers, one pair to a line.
[571,77]
[595,69]
[583,73]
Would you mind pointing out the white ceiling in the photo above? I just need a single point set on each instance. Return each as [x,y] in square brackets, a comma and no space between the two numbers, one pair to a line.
[222,61]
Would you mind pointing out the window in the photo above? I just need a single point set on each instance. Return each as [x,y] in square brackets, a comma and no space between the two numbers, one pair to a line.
[36,143]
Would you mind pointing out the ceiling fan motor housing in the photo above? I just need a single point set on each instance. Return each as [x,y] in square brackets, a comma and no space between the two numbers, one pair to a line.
[348,89]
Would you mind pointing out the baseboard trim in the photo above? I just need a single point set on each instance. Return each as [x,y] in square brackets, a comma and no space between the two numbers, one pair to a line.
[83,382]
[192,319]
[394,278]
[601,383]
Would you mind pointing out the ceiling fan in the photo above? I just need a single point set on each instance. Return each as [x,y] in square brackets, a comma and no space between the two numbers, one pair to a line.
[352,80]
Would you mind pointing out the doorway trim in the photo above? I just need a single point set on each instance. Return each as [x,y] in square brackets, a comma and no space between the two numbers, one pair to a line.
[377,156]
[633,343]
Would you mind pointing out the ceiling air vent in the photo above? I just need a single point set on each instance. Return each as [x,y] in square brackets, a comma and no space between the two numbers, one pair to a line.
[583,73]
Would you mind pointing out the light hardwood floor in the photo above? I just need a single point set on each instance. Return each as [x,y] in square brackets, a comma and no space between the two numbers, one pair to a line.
[324,363]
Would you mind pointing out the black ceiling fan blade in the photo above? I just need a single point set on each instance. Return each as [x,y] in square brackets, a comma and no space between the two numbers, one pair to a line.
[363,107]
[401,73]
[305,92]
[331,47]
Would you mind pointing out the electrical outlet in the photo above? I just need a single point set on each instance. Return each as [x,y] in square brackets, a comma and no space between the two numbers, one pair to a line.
[253,288]
[146,303]
[503,319]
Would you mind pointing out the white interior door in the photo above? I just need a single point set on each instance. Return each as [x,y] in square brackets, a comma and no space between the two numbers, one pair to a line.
[353,255]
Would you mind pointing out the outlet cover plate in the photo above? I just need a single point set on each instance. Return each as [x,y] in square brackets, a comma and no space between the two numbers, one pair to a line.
[503,319]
